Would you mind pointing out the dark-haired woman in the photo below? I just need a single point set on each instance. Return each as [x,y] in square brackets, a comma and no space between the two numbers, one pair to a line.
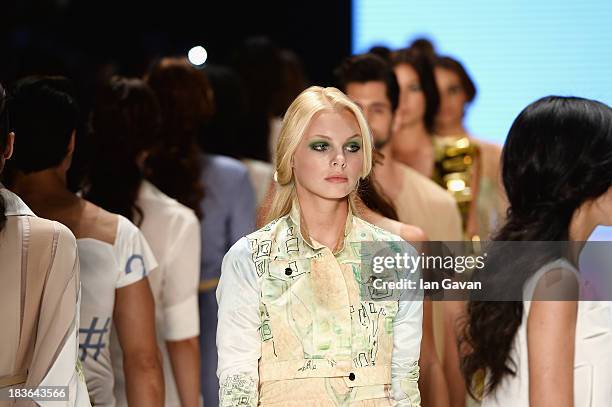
[419,101]
[125,125]
[557,172]
[180,170]
[457,91]
[40,325]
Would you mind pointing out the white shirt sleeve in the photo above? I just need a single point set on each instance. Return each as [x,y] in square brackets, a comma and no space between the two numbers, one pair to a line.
[238,337]
[134,255]
[407,333]
[180,290]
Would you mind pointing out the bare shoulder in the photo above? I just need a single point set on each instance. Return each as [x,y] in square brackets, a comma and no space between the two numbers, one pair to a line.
[411,233]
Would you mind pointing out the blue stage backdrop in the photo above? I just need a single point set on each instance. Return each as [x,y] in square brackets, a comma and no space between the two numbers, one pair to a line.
[517,51]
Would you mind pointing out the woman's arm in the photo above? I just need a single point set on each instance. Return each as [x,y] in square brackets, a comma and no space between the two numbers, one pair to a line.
[179,303]
[238,339]
[454,311]
[134,319]
[185,360]
[551,335]
[432,383]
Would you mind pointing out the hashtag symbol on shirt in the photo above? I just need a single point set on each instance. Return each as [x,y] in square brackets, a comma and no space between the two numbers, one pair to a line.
[89,342]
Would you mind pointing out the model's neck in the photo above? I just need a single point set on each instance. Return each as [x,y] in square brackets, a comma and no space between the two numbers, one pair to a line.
[324,219]
[451,129]
[414,148]
[416,130]
[584,220]
[384,164]
[385,172]
[583,223]
[43,186]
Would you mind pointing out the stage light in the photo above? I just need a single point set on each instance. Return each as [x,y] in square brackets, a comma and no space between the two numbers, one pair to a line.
[197,55]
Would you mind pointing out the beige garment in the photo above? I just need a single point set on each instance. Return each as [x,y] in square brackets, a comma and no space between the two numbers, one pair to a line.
[39,284]
[423,203]
[492,202]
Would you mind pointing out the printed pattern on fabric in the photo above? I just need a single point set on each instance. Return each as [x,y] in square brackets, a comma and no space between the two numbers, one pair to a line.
[315,324]
[238,390]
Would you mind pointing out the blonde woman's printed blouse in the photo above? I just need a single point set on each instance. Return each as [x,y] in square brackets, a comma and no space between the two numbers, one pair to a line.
[295,329]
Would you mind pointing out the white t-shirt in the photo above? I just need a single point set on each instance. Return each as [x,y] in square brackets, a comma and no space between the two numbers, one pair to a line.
[173,231]
[105,268]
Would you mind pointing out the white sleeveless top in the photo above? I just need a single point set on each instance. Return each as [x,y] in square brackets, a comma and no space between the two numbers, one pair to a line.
[592,359]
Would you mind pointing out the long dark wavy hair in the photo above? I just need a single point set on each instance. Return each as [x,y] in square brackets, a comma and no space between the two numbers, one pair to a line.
[124,124]
[4,130]
[186,101]
[423,66]
[369,193]
[558,155]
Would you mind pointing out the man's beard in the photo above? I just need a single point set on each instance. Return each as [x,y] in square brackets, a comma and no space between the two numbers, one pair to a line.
[380,143]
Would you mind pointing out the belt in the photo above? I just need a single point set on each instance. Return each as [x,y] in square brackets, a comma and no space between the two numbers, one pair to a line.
[208,285]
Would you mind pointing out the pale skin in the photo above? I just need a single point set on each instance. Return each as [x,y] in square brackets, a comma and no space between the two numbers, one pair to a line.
[372,98]
[551,326]
[46,194]
[185,360]
[411,143]
[326,165]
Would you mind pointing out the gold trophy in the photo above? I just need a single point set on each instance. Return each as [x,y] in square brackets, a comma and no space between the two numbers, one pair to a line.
[456,161]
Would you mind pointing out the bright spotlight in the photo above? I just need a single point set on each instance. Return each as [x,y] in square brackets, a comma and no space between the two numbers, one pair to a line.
[197,55]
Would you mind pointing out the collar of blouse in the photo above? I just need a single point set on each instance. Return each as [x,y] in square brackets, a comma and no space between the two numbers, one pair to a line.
[297,219]
[14,205]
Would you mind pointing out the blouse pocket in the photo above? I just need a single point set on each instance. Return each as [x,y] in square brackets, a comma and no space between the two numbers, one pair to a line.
[287,298]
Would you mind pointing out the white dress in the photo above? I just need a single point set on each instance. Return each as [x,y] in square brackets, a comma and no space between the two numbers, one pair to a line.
[173,232]
[592,359]
[104,268]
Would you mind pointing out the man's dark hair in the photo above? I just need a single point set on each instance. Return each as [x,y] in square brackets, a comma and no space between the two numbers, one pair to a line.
[43,115]
[369,68]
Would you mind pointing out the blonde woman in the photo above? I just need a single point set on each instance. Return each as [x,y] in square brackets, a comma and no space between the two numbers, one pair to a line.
[293,329]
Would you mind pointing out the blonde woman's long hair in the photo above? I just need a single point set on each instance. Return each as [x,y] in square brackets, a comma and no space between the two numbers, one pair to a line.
[299,115]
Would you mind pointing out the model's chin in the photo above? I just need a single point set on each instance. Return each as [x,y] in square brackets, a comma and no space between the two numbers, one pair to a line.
[337,191]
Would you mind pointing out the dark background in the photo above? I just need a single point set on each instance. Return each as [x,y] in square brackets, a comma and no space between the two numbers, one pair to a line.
[87,41]
[77,38]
